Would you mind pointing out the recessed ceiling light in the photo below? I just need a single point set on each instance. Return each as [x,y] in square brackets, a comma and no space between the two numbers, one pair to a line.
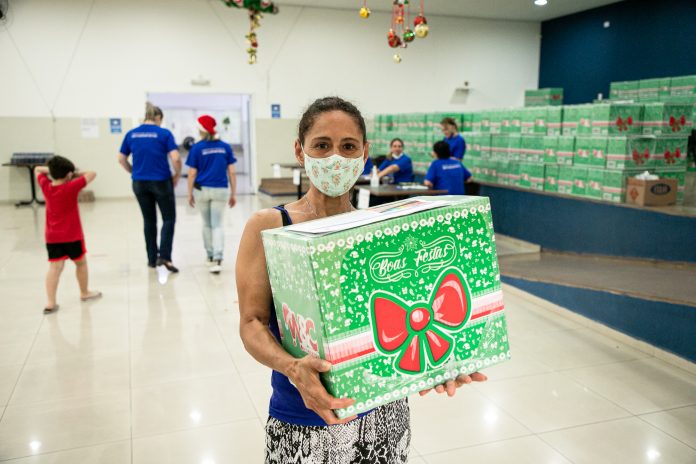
[540,2]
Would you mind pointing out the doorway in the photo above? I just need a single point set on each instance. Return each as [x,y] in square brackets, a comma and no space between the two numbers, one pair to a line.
[232,113]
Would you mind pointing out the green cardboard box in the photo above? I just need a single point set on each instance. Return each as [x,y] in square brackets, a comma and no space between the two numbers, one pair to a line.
[585,119]
[566,177]
[396,306]
[503,172]
[514,148]
[579,181]
[516,120]
[551,177]
[514,173]
[554,120]
[550,148]
[543,97]
[486,121]
[541,115]
[527,120]
[626,90]
[566,150]
[499,146]
[614,185]
[630,152]
[532,148]
[670,152]
[651,90]
[595,182]
[571,118]
[473,145]
[535,176]
[599,150]
[583,151]
[683,86]
[664,118]
[485,141]
[496,121]
[672,173]
[617,119]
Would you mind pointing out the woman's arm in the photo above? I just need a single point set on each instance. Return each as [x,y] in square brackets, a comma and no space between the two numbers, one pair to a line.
[389,170]
[192,173]
[255,306]
[176,162]
[232,175]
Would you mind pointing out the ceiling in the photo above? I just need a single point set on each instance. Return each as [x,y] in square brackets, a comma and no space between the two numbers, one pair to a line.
[520,10]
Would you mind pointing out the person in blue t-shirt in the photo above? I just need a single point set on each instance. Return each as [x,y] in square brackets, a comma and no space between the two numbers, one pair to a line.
[152,147]
[367,170]
[211,173]
[446,172]
[397,165]
[456,142]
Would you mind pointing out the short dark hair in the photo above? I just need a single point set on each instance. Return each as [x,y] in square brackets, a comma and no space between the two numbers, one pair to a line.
[325,105]
[59,167]
[450,122]
[396,139]
[442,150]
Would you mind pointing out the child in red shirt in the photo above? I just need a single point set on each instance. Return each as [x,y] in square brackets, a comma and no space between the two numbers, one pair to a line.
[64,237]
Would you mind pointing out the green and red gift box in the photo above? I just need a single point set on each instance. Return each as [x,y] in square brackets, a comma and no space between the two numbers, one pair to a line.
[566,150]
[551,178]
[664,118]
[630,152]
[617,119]
[670,152]
[396,306]
[565,179]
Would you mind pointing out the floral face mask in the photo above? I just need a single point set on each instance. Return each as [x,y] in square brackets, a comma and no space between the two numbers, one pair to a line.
[335,174]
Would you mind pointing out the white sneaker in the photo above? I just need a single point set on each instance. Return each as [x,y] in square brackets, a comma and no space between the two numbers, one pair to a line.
[216,267]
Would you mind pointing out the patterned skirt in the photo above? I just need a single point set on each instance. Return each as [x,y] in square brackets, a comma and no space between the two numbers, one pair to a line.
[381,437]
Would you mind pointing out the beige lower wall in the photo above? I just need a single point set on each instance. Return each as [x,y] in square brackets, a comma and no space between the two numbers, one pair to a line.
[274,144]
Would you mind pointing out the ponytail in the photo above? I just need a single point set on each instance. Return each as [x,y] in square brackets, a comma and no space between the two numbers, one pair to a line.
[152,112]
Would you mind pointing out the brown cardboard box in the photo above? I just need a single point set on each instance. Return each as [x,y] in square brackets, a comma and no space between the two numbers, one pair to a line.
[661,192]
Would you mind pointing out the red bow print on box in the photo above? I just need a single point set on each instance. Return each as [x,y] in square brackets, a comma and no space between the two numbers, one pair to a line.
[421,330]
[671,157]
[677,124]
[623,124]
[639,158]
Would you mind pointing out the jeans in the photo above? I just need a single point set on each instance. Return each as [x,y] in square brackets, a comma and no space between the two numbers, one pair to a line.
[152,194]
[212,203]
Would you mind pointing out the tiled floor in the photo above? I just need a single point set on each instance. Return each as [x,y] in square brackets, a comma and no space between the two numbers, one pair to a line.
[155,373]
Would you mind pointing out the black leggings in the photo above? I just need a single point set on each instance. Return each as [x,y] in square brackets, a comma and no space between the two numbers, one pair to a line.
[152,194]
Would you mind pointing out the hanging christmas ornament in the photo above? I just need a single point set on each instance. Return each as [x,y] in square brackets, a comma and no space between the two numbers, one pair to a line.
[420,24]
[254,8]
[422,31]
[365,11]
[393,39]
[397,58]
[409,35]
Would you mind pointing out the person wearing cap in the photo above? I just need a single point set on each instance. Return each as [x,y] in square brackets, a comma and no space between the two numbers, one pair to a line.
[211,187]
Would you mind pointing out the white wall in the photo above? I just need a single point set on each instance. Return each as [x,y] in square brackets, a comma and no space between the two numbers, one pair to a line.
[84,58]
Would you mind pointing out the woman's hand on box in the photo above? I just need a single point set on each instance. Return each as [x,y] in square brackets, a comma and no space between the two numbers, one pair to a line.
[304,374]
[450,387]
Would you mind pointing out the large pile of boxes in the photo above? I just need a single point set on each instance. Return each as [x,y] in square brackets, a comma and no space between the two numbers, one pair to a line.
[586,150]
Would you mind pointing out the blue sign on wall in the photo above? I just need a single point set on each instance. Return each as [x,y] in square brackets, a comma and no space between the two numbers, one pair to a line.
[115,124]
[275,111]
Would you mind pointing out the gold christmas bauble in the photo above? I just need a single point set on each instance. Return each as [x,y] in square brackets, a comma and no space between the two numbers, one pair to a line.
[421,31]
[365,12]
[397,58]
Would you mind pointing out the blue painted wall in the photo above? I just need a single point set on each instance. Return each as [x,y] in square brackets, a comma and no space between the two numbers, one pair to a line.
[579,226]
[646,39]
[667,326]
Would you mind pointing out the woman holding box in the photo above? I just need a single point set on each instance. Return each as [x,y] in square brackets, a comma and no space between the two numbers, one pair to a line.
[332,148]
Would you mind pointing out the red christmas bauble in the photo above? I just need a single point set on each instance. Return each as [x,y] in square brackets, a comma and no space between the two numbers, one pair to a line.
[420,19]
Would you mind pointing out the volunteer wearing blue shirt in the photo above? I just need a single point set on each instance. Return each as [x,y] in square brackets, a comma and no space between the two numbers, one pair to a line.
[152,147]
[211,165]
[368,167]
[446,172]
[456,142]
[398,164]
